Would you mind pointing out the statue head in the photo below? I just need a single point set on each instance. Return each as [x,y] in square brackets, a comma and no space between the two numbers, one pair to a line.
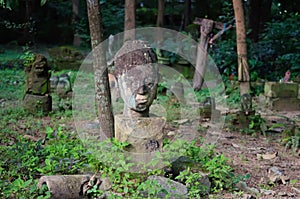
[39,66]
[136,72]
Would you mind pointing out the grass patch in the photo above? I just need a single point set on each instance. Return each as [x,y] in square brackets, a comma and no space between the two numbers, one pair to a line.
[12,84]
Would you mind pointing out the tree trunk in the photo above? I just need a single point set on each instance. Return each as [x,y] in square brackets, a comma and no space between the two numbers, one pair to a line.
[75,8]
[160,13]
[129,23]
[103,97]
[187,13]
[243,68]
[206,27]
[28,37]
[160,21]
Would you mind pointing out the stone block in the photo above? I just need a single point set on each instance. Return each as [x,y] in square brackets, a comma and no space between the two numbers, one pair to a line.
[282,90]
[37,85]
[285,104]
[173,188]
[144,134]
[37,103]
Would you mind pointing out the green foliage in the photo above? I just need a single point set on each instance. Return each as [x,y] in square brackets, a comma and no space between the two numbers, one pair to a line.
[269,58]
[279,46]
[151,187]
[256,124]
[58,154]
[111,25]
[63,157]
[94,192]
[27,57]
[291,139]
[205,160]
[192,181]
[59,151]
[26,189]
[9,4]
[12,84]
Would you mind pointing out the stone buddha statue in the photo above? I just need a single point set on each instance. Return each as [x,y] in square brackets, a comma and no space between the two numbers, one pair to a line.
[137,76]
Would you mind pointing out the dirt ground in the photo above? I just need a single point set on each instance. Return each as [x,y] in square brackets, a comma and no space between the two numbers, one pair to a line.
[258,156]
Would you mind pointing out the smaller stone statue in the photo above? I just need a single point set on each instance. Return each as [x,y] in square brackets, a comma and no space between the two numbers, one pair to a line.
[61,86]
[246,103]
[37,96]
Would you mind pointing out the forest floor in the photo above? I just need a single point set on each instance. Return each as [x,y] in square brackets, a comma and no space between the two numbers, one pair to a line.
[252,154]
[255,154]
[258,155]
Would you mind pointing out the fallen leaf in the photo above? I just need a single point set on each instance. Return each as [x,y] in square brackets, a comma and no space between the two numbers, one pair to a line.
[267,156]
[181,121]
[235,145]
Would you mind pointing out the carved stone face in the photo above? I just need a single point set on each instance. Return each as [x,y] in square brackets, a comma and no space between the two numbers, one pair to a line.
[40,66]
[138,86]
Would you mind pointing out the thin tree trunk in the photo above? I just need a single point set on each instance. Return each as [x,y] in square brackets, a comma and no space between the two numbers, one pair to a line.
[243,68]
[103,97]
[75,9]
[187,13]
[160,13]
[206,27]
[129,23]
[160,21]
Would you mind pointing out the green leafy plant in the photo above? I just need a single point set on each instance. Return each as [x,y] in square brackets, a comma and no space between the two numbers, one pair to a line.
[193,182]
[280,49]
[23,189]
[255,124]
[149,189]
[202,159]
[219,172]
[27,57]
[291,139]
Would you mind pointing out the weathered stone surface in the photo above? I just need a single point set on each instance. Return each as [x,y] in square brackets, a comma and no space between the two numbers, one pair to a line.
[275,175]
[175,189]
[37,103]
[67,186]
[282,90]
[37,74]
[299,91]
[284,104]
[61,86]
[105,184]
[137,77]
[246,103]
[145,134]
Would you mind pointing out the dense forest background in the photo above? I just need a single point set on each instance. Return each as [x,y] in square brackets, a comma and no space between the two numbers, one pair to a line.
[272,28]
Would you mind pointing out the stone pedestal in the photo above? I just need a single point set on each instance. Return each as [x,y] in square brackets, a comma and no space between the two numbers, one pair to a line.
[283,96]
[144,134]
[282,90]
[284,104]
[38,103]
